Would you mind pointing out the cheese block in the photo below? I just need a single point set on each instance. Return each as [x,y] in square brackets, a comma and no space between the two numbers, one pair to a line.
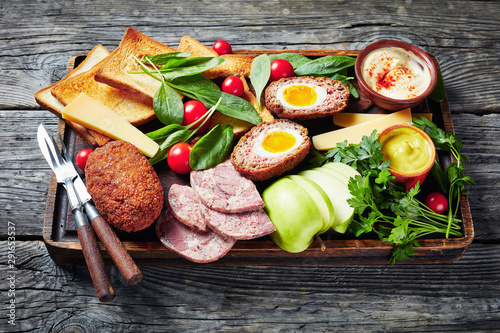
[94,115]
[354,134]
[347,119]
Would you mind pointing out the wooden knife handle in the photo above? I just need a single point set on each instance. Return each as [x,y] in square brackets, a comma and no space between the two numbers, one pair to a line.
[95,263]
[116,250]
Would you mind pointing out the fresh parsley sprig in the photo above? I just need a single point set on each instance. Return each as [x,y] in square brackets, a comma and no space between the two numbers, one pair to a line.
[452,180]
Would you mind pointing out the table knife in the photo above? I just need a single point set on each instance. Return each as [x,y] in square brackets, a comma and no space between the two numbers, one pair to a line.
[86,236]
[111,242]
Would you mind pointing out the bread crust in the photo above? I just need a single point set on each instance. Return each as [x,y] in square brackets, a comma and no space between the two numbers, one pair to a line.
[45,99]
[114,69]
[133,107]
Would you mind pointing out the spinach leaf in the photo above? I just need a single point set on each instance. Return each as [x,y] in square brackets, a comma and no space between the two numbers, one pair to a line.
[164,132]
[295,59]
[175,137]
[325,65]
[168,105]
[192,82]
[213,148]
[345,80]
[259,74]
[163,59]
[192,66]
[230,105]
[439,92]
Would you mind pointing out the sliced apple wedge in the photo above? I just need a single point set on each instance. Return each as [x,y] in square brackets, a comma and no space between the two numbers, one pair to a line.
[343,178]
[320,198]
[343,168]
[338,193]
[294,214]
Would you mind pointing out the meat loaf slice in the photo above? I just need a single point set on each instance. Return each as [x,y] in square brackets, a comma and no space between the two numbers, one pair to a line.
[241,225]
[187,206]
[225,190]
[194,245]
[337,95]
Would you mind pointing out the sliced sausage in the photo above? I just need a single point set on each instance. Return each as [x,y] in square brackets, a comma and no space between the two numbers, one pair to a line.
[194,245]
[248,225]
[224,189]
[187,206]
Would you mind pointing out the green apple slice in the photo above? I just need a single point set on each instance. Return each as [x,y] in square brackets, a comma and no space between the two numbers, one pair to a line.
[343,178]
[320,198]
[294,214]
[338,193]
[343,168]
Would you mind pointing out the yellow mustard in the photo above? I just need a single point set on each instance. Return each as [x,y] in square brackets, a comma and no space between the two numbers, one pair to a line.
[407,150]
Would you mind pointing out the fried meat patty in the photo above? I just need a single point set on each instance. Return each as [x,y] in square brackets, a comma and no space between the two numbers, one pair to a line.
[124,186]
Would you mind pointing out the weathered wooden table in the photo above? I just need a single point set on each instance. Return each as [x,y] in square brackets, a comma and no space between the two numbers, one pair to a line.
[39,37]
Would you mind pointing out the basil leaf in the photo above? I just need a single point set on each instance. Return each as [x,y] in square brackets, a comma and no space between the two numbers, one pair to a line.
[163,59]
[325,65]
[194,66]
[230,105]
[172,139]
[345,80]
[439,92]
[164,132]
[213,148]
[168,105]
[259,74]
[295,59]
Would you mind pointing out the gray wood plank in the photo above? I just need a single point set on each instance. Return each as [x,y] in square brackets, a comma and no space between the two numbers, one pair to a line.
[460,296]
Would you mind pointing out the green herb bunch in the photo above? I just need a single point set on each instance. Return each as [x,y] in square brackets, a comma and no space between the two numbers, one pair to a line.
[385,207]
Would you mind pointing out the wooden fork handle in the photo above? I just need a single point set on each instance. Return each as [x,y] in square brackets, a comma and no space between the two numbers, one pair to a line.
[95,263]
[116,250]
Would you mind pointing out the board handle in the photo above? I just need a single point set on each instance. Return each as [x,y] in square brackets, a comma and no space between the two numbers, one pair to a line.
[95,263]
[116,250]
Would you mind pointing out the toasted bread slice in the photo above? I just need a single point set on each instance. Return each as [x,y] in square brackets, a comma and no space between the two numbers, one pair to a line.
[240,127]
[234,64]
[114,69]
[46,100]
[195,47]
[136,111]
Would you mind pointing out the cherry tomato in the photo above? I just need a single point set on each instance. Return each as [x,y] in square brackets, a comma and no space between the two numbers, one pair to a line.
[222,47]
[193,110]
[281,68]
[437,202]
[178,157]
[81,158]
[233,85]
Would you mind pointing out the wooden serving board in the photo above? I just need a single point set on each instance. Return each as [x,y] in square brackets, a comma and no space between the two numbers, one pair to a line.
[62,243]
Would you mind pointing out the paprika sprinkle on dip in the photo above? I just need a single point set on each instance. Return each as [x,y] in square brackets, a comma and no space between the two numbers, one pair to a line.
[395,73]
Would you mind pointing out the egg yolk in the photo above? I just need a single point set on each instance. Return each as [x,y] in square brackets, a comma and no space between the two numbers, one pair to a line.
[278,141]
[300,95]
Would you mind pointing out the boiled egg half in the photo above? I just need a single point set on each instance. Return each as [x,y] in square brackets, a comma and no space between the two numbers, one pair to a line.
[301,95]
[276,142]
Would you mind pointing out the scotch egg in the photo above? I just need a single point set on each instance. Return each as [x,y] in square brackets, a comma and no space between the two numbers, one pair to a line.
[270,149]
[306,97]
[301,95]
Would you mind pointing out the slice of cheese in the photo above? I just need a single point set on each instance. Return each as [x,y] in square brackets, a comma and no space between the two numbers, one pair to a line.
[92,114]
[347,119]
[354,134]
